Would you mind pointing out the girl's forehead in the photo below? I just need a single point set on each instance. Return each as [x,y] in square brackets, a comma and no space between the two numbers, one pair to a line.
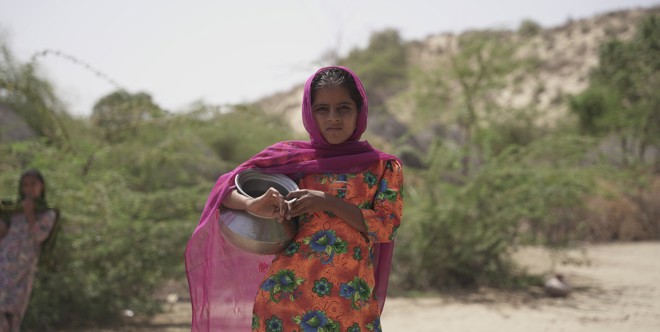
[29,179]
[339,92]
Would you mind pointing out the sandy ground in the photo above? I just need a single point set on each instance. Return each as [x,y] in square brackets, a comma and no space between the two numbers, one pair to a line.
[617,288]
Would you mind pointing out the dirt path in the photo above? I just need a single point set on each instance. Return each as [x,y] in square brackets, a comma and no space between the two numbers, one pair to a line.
[617,289]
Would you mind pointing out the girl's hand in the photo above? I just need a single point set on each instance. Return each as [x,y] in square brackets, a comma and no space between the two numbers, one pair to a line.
[305,201]
[269,205]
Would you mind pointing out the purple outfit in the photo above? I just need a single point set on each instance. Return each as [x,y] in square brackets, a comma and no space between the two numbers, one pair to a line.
[223,280]
[19,254]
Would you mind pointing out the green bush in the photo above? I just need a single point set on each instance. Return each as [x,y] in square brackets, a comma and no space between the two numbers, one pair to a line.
[622,98]
[463,235]
[529,28]
[127,210]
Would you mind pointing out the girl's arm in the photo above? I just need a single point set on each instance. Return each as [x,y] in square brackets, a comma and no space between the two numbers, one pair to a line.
[379,221]
[383,218]
[308,201]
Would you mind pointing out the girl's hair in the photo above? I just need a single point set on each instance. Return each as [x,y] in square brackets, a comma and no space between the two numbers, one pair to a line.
[337,77]
[36,174]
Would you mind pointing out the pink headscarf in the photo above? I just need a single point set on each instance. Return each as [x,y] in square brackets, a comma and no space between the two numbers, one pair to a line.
[223,280]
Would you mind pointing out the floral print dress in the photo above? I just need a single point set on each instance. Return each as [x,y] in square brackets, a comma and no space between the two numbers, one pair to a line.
[19,254]
[324,280]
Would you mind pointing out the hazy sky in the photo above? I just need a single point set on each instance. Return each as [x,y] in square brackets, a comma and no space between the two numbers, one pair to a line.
[236,51]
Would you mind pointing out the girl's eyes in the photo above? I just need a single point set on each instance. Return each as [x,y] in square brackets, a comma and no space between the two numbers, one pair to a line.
[341,110]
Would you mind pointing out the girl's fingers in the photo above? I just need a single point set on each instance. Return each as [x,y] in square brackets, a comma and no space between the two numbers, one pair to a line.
[283,209]
[295,194]
[272,192]
[276,202]
[297,208]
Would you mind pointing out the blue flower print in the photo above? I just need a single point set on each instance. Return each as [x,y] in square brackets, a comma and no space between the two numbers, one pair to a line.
[346,291]
[323,239]
[315,321]
[370,179]
[282,285]
[382,186]
[286,280]
[374,326]
[268,284]
[357,291]
[322,287]
[325,244]
[274,324]
[354,328]
[385,193]
[292,249]
[357,253]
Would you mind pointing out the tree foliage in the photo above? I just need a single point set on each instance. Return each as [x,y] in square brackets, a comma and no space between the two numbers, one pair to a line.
[31,97]
[463,235]
[127,209]
[623,98]
[120,114]
[529,28]
[129,198]
[382,64]
[467,85]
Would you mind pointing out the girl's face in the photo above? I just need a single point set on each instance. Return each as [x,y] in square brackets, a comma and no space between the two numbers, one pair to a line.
[31,187]
[335,114]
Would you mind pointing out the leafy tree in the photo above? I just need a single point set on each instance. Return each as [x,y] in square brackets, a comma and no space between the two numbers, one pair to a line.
[31,97]
[382,66]
[529,28]
[121,113]
[476,68]
[623,95]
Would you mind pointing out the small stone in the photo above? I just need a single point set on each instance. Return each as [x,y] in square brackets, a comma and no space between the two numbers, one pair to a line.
[557,286]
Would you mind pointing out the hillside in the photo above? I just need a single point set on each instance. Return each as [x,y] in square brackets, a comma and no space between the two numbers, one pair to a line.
[564,56]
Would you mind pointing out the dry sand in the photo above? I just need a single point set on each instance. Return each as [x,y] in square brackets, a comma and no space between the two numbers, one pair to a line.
[617,288]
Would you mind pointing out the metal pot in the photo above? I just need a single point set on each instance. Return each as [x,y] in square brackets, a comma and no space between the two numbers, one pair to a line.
[254,234]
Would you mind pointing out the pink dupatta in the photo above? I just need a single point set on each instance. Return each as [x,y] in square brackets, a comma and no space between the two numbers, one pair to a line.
[223,280]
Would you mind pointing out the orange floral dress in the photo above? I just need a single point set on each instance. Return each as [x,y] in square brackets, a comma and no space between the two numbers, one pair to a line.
[324,280]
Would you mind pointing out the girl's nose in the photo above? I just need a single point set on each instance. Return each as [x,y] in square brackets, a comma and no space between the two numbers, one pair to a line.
[334,115]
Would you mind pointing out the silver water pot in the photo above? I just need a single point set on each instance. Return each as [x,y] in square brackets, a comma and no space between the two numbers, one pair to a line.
[251,233]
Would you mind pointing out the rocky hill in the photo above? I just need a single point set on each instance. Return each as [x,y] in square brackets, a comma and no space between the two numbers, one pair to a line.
[564,56]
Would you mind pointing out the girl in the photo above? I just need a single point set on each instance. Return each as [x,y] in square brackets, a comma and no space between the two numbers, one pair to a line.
[28,226]
[334,274]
